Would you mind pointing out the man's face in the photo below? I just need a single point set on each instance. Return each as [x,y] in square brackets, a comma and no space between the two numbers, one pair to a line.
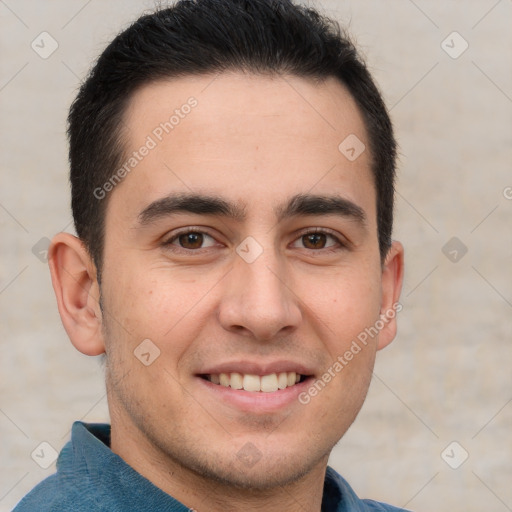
[252,294]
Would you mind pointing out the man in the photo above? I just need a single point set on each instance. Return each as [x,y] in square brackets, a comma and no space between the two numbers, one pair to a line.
[232,169]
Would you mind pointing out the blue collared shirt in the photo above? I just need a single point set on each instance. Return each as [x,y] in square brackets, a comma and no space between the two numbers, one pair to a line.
[91,477]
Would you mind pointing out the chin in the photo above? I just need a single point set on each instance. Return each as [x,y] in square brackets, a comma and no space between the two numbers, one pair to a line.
[253,463]
[265,474]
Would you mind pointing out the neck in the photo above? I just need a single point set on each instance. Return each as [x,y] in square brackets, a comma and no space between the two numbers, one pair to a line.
[201,493]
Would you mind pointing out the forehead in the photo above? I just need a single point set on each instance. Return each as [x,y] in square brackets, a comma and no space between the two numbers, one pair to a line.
[226,102]
[233,132]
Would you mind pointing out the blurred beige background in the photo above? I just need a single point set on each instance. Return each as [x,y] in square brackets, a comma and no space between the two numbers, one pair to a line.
[443,390]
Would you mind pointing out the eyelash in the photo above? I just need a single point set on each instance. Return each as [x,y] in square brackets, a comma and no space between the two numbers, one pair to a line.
[169,243]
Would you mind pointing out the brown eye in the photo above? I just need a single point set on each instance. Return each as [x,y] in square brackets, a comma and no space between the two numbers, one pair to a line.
[319,240]
[314,240]
[190,241]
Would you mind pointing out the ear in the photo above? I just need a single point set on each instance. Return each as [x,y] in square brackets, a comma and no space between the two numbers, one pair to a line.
[392,277]
[76,288]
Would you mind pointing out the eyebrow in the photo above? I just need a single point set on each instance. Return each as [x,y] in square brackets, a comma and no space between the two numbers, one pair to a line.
[300,204]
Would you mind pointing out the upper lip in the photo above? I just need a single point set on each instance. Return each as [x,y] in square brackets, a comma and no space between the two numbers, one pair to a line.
[256,368]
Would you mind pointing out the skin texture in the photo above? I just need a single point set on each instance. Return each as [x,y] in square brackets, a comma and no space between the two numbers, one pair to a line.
[255,141]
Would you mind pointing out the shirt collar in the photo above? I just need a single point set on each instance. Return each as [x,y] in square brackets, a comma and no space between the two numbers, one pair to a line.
[109,477]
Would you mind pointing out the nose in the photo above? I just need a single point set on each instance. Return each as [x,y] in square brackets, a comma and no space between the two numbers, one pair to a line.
[258,300]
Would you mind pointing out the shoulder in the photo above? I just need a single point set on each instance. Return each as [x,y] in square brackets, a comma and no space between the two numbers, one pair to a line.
[340,497]
[54,494]
[376,506]
[71,487]
[50,495]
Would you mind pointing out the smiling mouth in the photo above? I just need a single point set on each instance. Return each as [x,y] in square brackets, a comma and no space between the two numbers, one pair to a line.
[256,383]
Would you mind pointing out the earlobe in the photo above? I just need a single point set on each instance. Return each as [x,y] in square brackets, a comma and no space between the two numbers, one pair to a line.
[392,278]
[76,288]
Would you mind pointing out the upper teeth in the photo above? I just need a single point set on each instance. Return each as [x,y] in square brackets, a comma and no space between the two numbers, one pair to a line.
[248,382]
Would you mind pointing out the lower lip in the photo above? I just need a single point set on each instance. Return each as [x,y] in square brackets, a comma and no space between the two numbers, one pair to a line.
[257,401]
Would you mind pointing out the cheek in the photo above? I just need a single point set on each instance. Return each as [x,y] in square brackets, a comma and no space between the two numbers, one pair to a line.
[347,303]
[155,304]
